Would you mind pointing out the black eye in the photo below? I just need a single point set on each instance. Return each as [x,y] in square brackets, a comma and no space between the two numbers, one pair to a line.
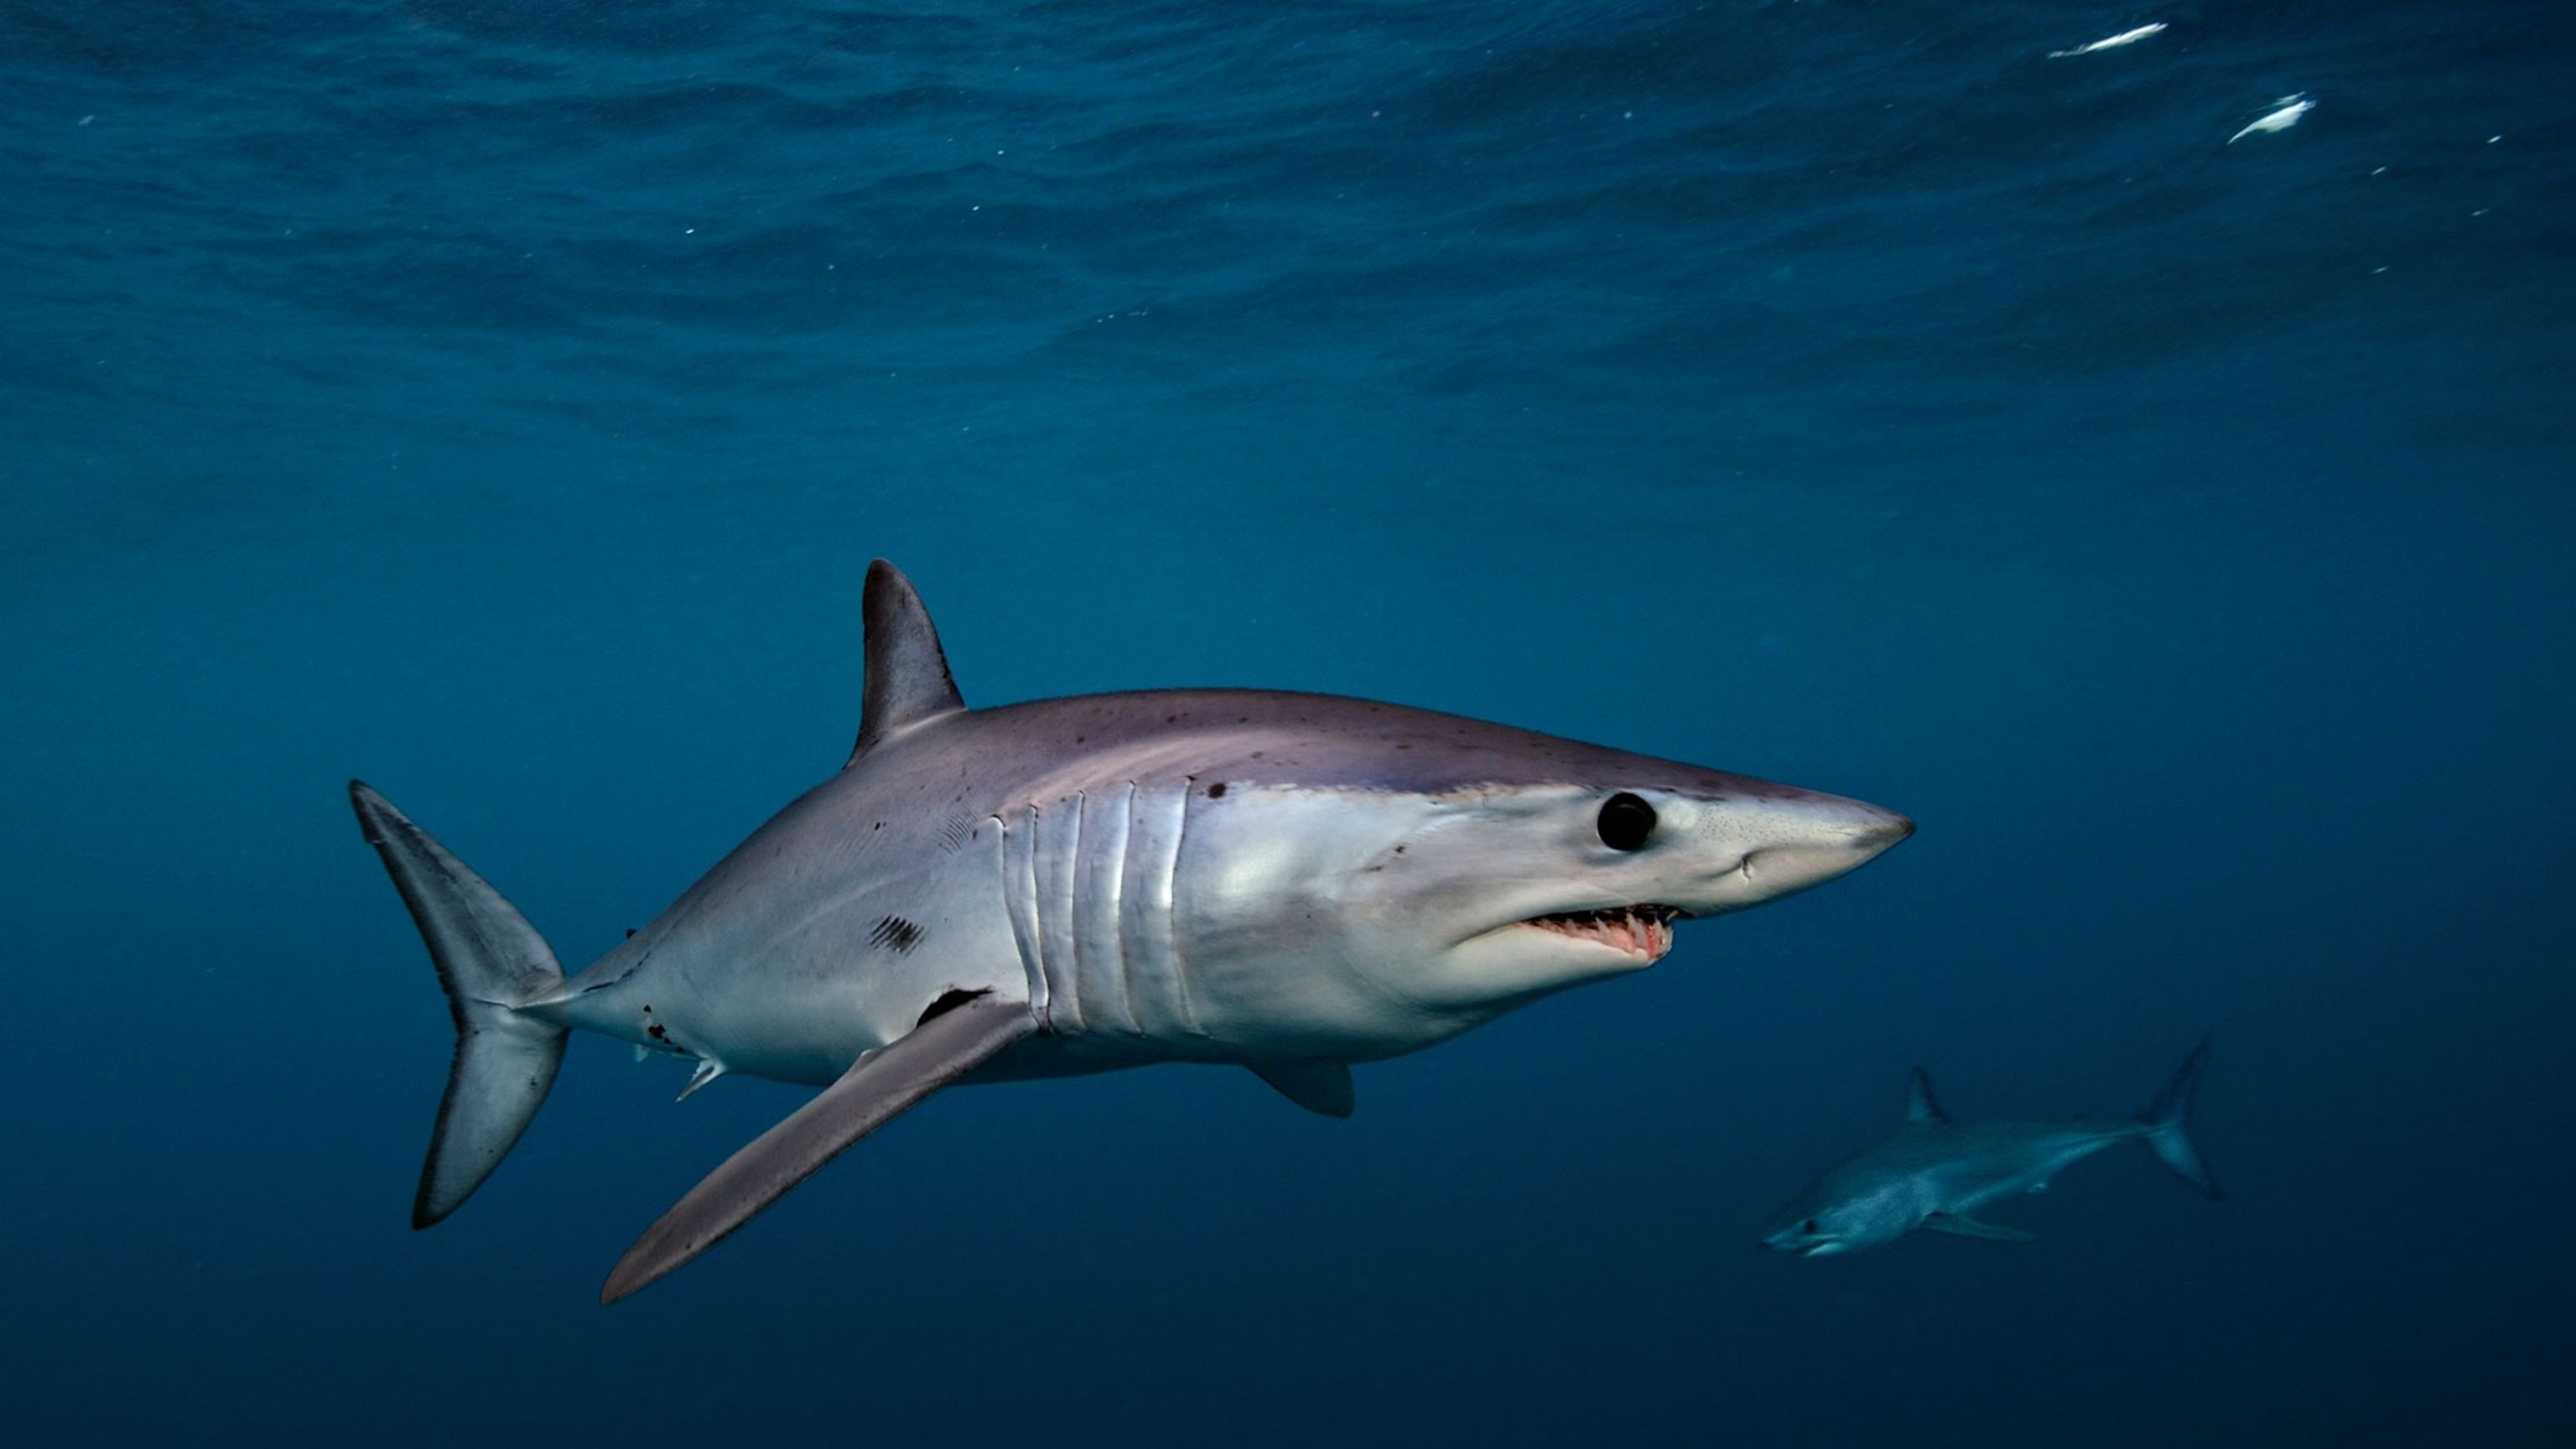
[1626,821]
[1808,1227]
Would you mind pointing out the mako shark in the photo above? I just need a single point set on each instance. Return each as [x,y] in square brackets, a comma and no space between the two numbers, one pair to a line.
[1287,882]
[1935,1173]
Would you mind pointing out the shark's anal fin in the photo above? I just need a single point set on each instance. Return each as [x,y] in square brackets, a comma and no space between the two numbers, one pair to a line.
[1323,1088]
[870,1094]
[708,1070]
[907,672]
[1958,1226]
[1920,1104]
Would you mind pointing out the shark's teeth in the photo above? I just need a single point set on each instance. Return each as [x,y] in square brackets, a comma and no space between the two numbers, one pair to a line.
[1640,930]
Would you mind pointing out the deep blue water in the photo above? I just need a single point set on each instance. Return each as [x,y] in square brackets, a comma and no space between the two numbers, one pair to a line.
[501,400]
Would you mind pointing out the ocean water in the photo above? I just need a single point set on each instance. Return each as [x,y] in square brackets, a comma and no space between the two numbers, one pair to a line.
[502,400]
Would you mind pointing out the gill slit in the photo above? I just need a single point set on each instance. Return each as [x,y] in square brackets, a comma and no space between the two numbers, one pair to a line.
[1171,903]
[1072,893]
[1128,942]
[1020,903]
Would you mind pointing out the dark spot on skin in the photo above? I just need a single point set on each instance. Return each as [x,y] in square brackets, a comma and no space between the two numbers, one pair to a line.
[1399,850]
[630,933]
[656,1032]
[896,934]
[949,1000]
[1217,790]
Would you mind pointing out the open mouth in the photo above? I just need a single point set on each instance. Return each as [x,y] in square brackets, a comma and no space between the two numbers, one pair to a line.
[1640,930]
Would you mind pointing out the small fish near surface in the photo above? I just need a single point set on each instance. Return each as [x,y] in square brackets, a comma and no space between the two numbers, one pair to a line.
[2288,110]
[1936,1173]
[1284,882]
[2111,42]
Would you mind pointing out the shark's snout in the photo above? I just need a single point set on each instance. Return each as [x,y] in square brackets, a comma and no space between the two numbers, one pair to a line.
[1808,843]
[1884,833]
[1805,1239]
[1834,847]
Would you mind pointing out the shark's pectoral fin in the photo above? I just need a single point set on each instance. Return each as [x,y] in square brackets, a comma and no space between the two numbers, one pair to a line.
[870,1094]
[1320,1087]
[1965,1227]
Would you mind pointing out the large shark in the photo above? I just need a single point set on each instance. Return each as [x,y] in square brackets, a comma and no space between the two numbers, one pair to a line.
[1289,882]
[1936,1173]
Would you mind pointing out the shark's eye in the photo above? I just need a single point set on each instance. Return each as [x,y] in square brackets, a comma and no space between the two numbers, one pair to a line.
[1808,1227]
[1625,821]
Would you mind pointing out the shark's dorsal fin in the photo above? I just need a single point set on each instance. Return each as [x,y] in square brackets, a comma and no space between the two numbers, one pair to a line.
[1920,1104]
[1323,1088]
[907,679]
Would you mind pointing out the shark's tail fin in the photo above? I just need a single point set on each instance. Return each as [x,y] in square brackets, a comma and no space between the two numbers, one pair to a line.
[492,963]
[2166,1124]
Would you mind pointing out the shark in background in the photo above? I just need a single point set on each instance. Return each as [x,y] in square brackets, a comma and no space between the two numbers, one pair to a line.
[1286,882]
[1936,1173]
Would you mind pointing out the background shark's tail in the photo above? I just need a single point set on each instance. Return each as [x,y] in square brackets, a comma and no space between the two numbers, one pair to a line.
[492,962]
[2166,1124]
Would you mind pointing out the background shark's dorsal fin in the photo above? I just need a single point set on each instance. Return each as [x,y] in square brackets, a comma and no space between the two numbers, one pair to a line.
[1920,1104]
[907,680]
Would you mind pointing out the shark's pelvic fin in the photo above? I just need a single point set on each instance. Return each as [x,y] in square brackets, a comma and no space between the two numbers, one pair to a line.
[907,679]
[1963,1227]
[491,963]
[1319,1087]
[1920,1104]
[870,1094]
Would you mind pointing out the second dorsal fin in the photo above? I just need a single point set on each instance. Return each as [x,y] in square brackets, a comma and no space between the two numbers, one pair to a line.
[1920,1104]
[907,680]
